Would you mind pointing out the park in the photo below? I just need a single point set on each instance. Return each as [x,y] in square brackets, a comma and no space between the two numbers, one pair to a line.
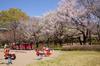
[50,33]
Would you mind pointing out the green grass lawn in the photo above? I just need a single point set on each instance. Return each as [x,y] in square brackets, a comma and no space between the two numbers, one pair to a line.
[72,58]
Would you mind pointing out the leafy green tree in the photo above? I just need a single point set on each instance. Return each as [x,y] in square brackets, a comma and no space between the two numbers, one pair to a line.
[11,19]
[12,15]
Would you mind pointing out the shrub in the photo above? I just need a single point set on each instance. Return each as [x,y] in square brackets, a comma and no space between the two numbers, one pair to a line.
[82,47]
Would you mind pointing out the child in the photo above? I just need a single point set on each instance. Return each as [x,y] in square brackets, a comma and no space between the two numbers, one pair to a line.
[9,59]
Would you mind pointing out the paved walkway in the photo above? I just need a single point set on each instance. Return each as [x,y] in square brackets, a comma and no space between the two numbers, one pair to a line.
[24,57]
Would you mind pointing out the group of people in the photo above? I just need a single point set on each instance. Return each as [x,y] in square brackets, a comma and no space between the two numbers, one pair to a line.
[7,54]
[44,52]
[40,53]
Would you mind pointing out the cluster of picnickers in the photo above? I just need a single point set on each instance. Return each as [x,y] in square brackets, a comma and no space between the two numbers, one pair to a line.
[8,55]
[44,52]
[40,53]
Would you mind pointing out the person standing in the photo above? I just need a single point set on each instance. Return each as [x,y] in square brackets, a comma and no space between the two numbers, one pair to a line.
[9,59]
[5,46]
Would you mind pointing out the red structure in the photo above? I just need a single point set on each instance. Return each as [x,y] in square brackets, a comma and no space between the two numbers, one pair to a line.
[24,46]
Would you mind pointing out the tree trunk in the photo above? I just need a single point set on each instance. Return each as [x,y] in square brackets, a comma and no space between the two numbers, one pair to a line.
[60,42]
[84,39]
[80,40]
[98,30]
[14,36]
[48,42]
[90,41]
[98,33]
[37,45]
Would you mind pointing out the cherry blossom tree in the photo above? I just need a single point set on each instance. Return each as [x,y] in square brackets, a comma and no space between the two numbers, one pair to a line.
[81,14]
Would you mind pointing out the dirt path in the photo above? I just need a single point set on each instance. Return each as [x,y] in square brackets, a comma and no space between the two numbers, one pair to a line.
[24,58]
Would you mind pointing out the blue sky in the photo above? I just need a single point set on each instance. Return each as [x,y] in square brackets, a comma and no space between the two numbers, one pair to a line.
[31,7]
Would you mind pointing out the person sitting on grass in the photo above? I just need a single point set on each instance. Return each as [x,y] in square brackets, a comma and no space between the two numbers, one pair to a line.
[47,51]
[38,54]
